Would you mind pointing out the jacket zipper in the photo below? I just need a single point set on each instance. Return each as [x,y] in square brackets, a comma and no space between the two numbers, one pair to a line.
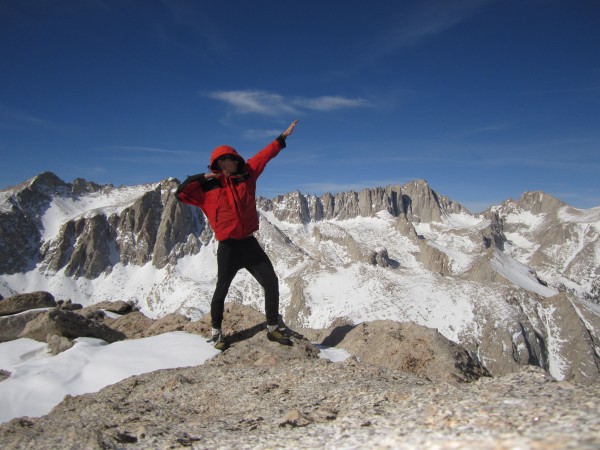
[236,207]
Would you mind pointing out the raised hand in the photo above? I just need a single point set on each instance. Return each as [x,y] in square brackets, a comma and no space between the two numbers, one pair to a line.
[290,129]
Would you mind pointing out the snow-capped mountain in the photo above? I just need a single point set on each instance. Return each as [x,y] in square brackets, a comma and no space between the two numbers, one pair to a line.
[517,284]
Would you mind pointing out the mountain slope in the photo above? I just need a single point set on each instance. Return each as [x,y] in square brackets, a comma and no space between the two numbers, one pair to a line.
[558,241]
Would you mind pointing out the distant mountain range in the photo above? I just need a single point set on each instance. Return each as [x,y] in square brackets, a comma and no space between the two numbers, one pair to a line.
[517,284]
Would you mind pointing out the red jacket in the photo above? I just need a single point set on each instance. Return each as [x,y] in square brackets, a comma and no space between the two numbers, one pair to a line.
[229,203]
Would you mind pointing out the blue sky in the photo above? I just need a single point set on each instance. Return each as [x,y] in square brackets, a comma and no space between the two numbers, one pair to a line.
[483,99]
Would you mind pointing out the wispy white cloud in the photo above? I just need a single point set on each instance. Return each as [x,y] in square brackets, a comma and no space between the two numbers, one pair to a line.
[272,104]
[258,102]
[329,102]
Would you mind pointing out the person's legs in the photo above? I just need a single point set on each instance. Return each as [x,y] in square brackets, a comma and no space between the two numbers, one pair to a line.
[227,266]
[259,265]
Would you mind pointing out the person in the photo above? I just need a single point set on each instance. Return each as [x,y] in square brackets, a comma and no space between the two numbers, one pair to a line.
[226,195]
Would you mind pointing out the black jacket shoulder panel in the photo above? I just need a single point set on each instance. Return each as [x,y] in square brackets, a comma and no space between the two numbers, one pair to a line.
[203,183]
[209,185]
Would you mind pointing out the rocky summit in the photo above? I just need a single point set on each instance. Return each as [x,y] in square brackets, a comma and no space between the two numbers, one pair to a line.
[414,390]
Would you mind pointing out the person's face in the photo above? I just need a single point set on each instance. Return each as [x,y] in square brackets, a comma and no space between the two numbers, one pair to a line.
[228,164]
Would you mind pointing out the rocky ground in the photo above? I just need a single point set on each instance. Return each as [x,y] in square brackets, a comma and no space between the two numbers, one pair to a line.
[312,403]
[259,394]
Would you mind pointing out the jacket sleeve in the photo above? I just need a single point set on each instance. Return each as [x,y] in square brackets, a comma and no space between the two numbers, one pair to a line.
[260,160]
[192,190]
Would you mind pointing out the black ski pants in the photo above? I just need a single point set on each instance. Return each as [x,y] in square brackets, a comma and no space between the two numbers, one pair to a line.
[236,254]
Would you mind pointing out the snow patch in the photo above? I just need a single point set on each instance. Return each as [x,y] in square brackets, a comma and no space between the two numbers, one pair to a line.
[526,218]
[575,215]
[5,204]
[464,220]
[519,274]
[557,365]
[39,381]
[333,354]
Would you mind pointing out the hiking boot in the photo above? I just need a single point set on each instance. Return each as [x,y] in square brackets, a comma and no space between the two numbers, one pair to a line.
[278,335]
[219,342]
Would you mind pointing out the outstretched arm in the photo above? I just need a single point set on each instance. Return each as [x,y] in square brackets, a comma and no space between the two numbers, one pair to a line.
[260,160]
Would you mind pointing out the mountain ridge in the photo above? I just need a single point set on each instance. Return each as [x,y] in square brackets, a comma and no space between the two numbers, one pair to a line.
[400,252]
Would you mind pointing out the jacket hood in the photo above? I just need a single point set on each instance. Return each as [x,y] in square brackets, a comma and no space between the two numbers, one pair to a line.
[223,150]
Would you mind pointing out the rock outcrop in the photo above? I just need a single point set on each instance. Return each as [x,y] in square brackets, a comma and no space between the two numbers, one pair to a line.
[117,307]
[538,202]
[421,203]
[12,326]
[409,348]
[67,324]
[433,259]
[380,257]
[346,249]
[25,302]
[576,353]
